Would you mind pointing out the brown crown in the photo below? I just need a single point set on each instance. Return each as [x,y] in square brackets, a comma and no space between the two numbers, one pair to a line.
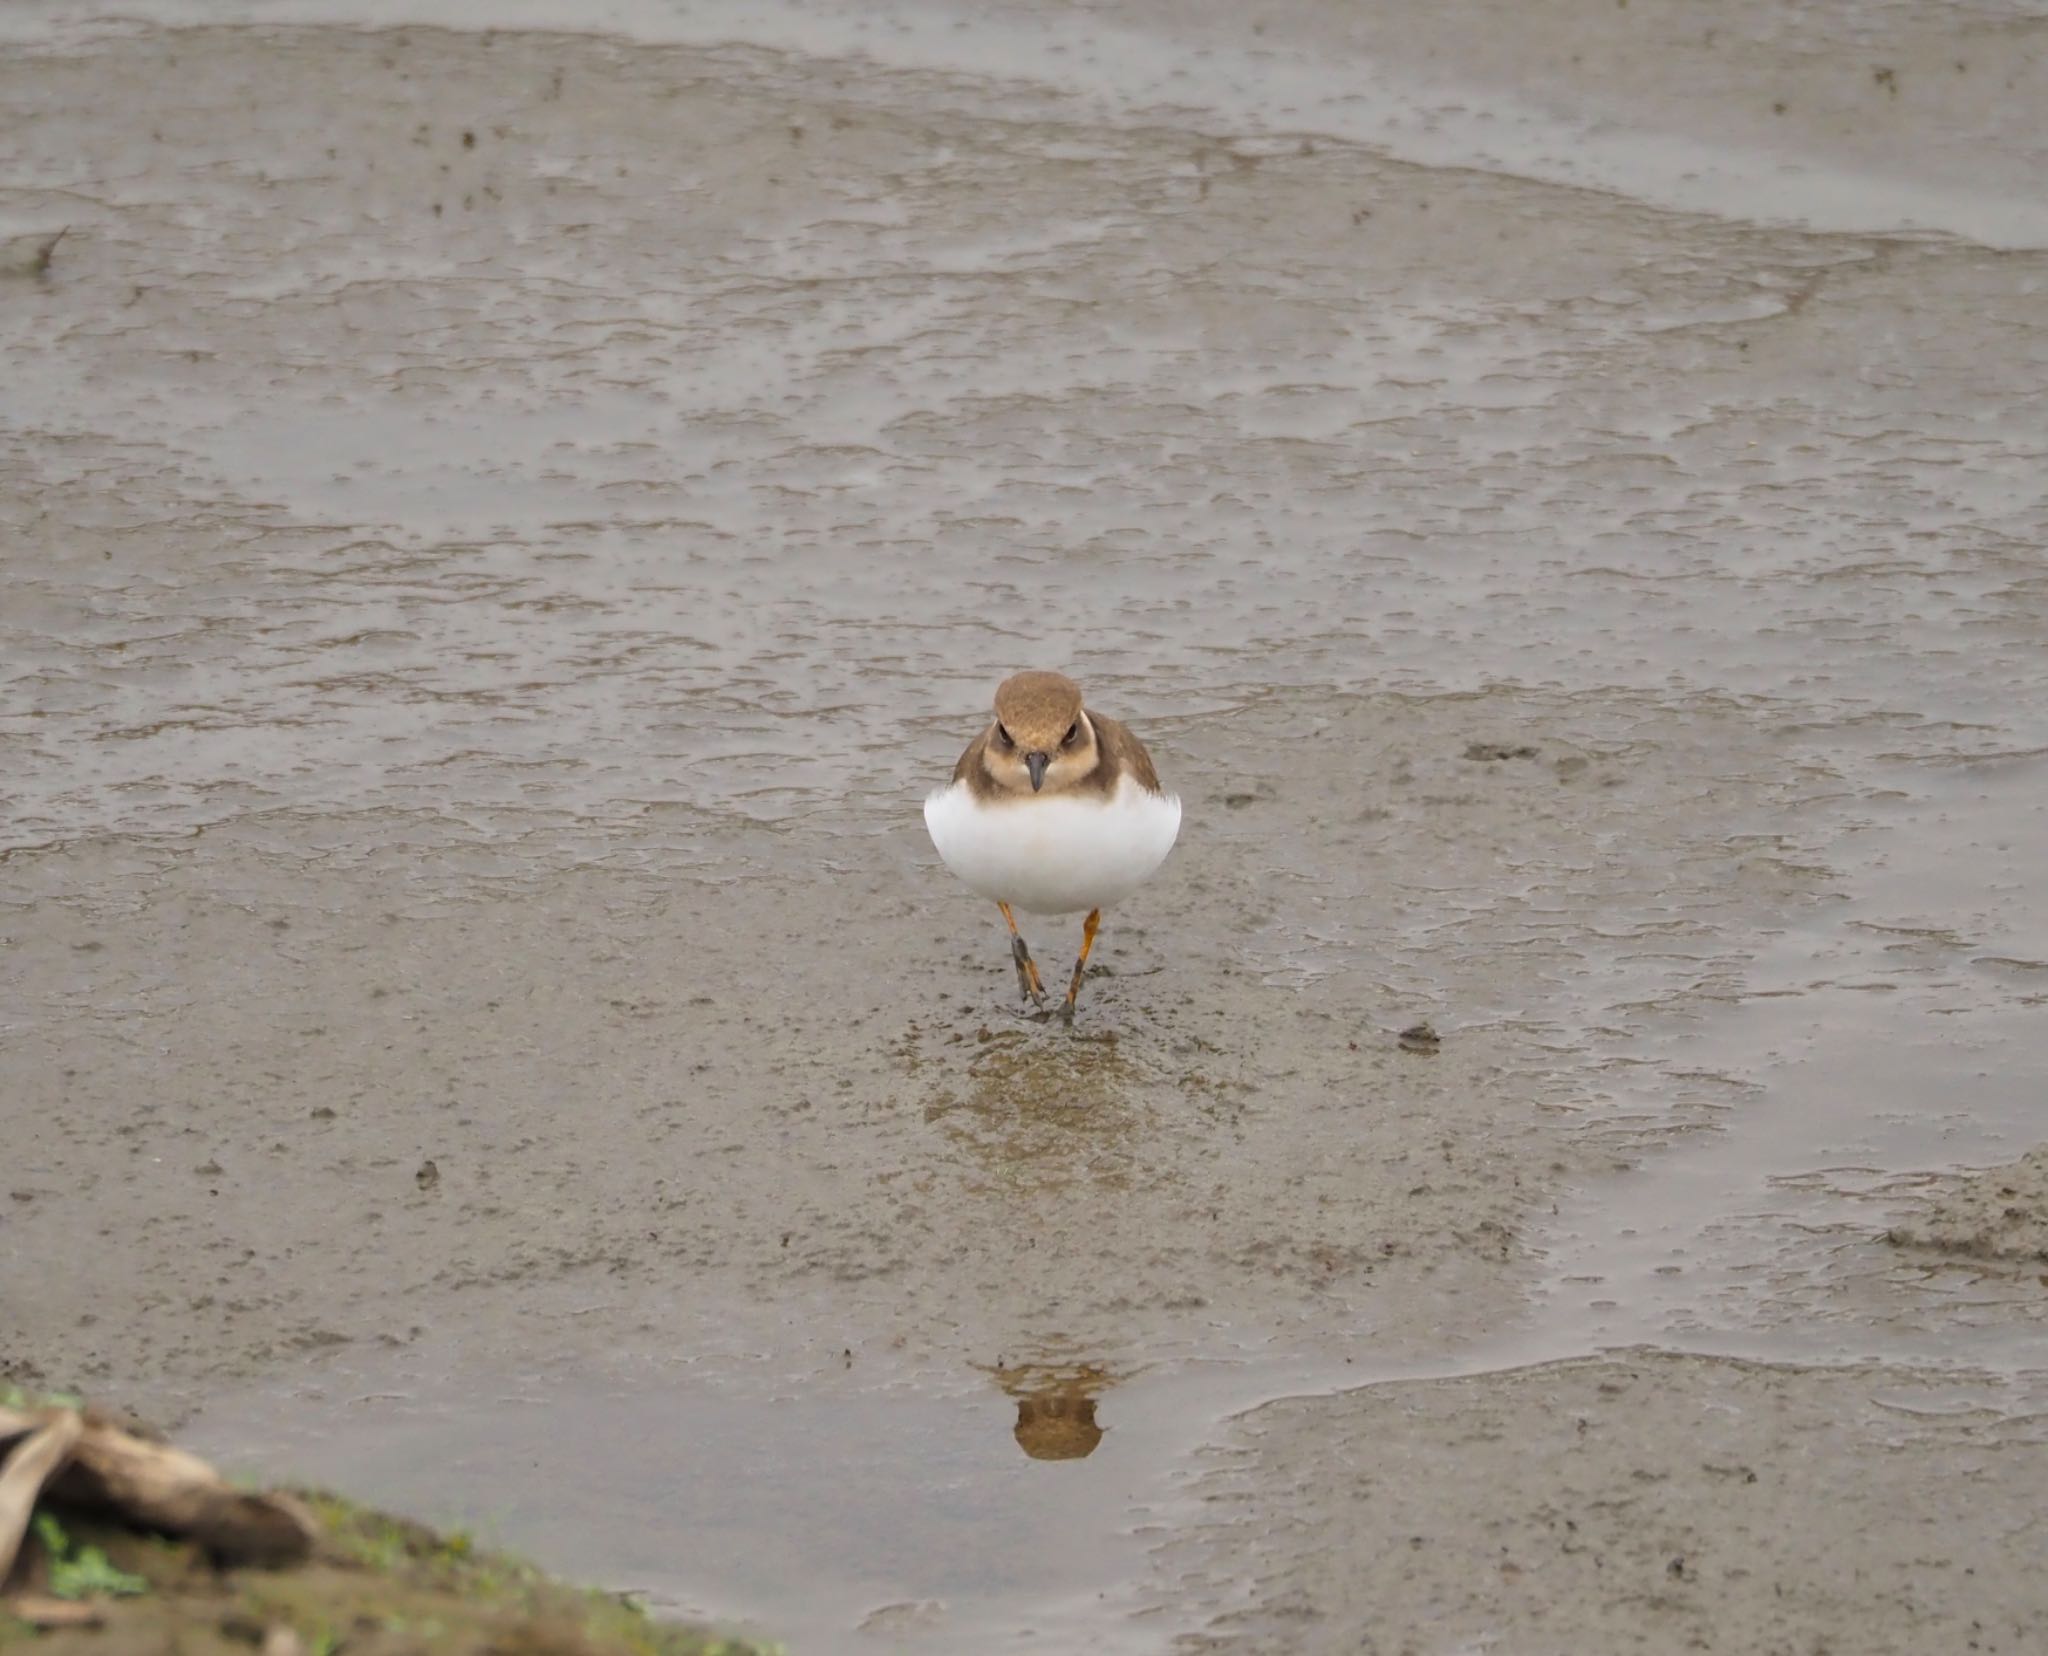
[1037,708]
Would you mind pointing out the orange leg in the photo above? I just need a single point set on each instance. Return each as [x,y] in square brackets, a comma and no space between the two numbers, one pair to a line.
[1029,984]
[1087,943]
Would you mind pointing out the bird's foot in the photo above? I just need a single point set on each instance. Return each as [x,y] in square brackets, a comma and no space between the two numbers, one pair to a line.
[1080,966]
[1029,985]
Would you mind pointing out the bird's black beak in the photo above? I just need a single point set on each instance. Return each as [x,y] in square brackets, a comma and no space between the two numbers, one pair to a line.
[1036,763]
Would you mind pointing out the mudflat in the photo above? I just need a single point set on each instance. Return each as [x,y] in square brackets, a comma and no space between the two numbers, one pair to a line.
[503,528]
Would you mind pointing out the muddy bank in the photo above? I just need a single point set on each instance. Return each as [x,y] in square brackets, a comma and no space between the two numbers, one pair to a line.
[377,1585]
[1999,1214]
[1637,1503]
[1230,1147]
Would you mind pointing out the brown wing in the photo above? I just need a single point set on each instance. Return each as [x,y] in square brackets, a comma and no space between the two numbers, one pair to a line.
[1122,755]
[969,769]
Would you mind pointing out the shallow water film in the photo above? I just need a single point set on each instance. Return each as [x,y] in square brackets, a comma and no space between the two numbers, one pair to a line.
[505,518]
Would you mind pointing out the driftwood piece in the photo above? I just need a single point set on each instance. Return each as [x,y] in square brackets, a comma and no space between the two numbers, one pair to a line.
[36,1459]
[51,1614]
[156,1487]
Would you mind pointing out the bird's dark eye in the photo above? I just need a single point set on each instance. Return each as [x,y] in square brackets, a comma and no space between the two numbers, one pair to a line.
[1073,730]
[1003,736]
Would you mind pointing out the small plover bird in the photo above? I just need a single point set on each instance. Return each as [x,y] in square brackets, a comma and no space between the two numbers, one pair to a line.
[1053,810]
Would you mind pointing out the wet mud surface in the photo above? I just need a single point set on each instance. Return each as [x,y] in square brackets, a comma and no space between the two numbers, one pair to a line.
[504,529]
[1637,1504]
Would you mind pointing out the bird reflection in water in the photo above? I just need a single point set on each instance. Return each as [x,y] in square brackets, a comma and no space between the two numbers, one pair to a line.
[1056,1408]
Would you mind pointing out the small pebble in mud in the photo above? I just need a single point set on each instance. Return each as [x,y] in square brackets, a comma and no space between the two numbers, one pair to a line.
[428,1176]
[1420,1038]
[1492,752]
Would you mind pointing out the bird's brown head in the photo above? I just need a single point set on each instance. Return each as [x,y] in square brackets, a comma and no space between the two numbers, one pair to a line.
[1042,740]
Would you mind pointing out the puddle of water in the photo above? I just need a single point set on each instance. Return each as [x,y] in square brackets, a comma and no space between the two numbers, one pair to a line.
[1015,1514]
